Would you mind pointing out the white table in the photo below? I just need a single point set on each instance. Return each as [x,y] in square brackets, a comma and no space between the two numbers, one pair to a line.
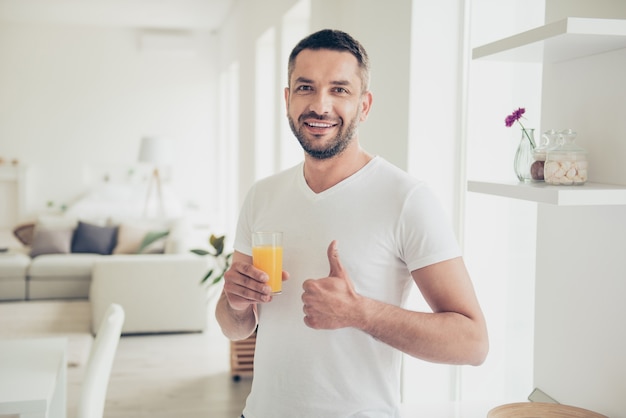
[33,377]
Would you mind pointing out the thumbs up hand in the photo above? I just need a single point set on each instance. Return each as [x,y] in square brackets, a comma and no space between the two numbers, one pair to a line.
[329,301]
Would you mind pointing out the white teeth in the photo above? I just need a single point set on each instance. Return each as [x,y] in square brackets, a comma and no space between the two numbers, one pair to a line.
[320,125]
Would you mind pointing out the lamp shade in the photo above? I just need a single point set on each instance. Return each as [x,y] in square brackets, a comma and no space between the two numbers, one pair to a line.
[155,150]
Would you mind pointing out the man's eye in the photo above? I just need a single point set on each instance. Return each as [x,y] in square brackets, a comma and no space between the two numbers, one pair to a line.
[304,88]
[340,90]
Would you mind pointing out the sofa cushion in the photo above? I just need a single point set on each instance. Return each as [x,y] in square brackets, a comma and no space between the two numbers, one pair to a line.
[51,234]
[24,233]
[14,265]
[53,266]
[153,242]
[51,241]
[131,239]
[96,239]
[175,241]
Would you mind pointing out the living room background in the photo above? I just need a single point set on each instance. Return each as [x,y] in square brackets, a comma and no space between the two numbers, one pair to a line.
[95,91]
[75,101]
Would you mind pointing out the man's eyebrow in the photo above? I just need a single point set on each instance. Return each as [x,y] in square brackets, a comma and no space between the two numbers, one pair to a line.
[303,80]
[341,83]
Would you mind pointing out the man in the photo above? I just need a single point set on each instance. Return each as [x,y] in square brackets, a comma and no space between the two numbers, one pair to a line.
[330,345]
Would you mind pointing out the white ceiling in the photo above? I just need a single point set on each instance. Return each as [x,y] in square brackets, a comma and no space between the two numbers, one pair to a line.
[168,14]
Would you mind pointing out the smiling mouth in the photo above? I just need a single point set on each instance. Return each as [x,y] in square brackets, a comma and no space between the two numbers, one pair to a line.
[320,125]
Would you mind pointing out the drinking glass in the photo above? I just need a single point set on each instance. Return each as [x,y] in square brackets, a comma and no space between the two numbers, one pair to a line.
[267,255]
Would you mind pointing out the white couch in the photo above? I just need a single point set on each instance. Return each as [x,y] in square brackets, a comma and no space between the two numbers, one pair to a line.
[13,272]
[57,253]
[60,276]
[160,290]
[158,293]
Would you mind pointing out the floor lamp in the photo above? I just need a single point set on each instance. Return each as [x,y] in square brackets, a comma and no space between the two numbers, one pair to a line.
[155,151]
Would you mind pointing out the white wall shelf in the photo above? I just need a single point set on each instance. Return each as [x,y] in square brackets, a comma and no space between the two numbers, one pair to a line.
[558,41]
[562,40]
[589,194]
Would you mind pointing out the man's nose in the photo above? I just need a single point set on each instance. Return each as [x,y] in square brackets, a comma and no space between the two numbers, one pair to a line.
[321,103]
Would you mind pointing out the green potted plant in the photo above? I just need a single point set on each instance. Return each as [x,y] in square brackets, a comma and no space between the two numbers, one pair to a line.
[221,260]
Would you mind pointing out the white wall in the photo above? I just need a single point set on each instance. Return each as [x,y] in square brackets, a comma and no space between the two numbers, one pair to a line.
[237,44]
[500,234]
[579,341]
[75,101]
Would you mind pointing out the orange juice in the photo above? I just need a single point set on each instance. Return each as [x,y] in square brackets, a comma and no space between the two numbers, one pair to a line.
[269,258]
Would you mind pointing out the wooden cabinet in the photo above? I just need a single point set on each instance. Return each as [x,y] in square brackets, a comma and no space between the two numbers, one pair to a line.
[242,357]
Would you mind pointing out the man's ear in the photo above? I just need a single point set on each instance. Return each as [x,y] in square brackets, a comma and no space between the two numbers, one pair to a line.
[366,104]
[287,99]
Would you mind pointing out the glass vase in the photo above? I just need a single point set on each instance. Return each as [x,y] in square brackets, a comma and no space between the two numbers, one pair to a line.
[547,140]
[524,157]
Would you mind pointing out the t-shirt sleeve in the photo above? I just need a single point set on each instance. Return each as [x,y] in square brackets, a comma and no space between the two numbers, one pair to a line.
[425,231]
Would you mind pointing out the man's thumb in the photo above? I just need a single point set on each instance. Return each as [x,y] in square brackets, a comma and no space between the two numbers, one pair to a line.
[336,268]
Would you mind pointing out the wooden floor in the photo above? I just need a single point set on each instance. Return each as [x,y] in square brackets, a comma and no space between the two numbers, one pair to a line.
[165,376]
[172,376]
[156,376]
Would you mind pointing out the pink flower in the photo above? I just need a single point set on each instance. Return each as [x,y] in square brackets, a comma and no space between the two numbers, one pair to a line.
[515,117]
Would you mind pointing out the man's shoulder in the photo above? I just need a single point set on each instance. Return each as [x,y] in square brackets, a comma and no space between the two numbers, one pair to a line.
[279,178]
[388,172]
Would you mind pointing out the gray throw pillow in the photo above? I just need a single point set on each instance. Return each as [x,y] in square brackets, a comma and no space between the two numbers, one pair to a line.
[90,238]
[51,241]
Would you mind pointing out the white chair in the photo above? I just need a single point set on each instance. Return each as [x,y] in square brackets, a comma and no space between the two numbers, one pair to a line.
[98,369]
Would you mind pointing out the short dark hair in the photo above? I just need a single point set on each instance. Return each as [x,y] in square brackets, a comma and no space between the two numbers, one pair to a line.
[334,40]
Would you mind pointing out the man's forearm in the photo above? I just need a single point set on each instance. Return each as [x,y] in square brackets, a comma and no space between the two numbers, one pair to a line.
[445,337]
[235,325]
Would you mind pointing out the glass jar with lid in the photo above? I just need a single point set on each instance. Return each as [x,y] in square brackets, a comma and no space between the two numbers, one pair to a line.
[566,163]
[548,140]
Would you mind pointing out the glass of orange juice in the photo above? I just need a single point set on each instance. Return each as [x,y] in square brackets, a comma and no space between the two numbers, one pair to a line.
[267,255]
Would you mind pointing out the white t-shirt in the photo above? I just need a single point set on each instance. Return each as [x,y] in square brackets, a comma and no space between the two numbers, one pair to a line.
[386,224]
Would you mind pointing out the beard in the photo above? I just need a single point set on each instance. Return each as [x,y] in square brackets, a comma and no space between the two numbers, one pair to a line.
[334,147]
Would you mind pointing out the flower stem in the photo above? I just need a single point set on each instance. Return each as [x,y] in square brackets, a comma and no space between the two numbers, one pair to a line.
[526,133]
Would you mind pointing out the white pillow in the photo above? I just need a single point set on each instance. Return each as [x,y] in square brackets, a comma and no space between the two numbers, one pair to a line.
[130,239]
[133,230]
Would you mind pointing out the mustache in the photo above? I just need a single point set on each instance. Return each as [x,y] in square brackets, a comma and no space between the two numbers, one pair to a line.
[313,115]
